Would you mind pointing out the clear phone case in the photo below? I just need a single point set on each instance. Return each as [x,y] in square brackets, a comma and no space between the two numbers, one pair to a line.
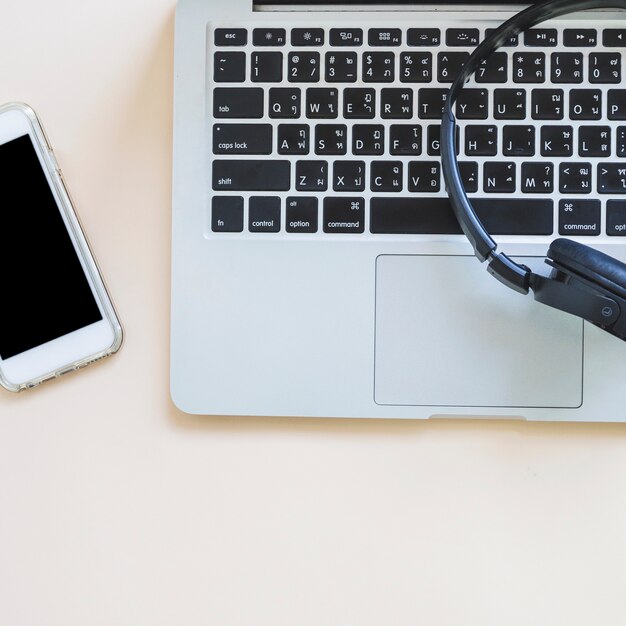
[83,249]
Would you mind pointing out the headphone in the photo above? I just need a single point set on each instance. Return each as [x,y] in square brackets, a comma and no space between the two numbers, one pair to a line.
[584,282]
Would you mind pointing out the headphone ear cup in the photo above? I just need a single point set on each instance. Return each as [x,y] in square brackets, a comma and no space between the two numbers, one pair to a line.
[590,264]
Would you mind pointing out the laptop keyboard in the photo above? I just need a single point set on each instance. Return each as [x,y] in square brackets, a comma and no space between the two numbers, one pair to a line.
[327,131]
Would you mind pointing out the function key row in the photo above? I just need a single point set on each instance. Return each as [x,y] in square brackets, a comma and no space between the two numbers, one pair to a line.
[386,37]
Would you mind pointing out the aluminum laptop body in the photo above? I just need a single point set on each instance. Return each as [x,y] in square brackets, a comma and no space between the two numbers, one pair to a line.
[316,268]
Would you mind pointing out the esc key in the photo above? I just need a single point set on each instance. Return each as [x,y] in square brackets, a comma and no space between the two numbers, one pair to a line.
[231,36]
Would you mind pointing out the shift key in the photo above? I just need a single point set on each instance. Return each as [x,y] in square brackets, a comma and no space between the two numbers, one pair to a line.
[238,102]
[239,175]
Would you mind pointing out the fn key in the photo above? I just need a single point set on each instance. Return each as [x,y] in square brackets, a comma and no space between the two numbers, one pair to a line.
[227,214]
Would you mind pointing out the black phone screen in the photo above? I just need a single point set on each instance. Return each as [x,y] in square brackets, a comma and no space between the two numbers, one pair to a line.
[44,293]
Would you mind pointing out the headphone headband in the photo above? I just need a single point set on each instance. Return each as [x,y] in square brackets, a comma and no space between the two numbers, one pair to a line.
[512,274]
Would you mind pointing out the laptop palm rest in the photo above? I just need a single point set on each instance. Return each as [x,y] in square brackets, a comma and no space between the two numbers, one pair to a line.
[448,334]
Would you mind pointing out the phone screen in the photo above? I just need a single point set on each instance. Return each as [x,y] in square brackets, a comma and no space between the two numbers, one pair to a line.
[44,293]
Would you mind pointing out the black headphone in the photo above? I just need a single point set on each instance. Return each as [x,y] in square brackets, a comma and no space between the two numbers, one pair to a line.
[583,281]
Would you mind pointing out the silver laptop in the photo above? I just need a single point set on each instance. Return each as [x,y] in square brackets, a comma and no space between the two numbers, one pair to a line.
[317,267]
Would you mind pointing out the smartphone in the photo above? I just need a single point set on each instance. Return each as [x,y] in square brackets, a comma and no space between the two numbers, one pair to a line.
[55,312]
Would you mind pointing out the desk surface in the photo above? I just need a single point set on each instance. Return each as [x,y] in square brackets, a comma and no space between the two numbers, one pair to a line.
[116,509]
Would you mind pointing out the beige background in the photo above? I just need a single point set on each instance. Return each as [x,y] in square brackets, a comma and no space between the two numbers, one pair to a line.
[116,509]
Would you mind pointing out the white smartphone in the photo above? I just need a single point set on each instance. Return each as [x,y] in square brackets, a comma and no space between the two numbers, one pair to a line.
[55,313]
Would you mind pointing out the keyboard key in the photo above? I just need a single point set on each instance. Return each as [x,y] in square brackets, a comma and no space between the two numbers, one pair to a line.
[425,216]
[605,67]
[462,37]
[293,139]
[311,175]
[368,139]
[511,216]
[529,67]
[557,141]
[431,102]
[616,218]
[575,178]
[269,37]
[349,176]
[227,214]
[304,67]
[567,67]
[612,178]
[511,42]
[230,37]
[285,102]
[386,176]
[481,140]
[264,214]
[469,175]
[301,214]
[547,104]
[240,175]
[499,177]
[433,140]
[509,104]
[424,37]
[473,104]
[341,67]
[541,37]
[518,140]
[378,67]
[359,103]
[494,69]
[579,217]
[416,67]
[585,104]
[413,216]
[238,102]
[614,37]
[620,148]
[396,103]
[537,177]
[331,139]
[616,104]
[424,176]
[266,67]
[450,64]
[580,37]
[307,37]
[594,141]
[242,139]
[405,139]
[322,103]
[229,67]
[384,37]
[344,215]
[346,37]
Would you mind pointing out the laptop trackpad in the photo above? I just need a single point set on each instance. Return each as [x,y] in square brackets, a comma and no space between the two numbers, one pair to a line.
[448,334]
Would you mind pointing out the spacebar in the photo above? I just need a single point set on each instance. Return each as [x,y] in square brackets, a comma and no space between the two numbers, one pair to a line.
[434,216]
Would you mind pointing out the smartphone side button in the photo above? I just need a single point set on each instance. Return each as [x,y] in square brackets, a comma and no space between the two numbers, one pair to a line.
[53,160]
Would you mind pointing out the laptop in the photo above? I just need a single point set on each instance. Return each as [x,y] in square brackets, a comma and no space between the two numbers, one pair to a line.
[317,269]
